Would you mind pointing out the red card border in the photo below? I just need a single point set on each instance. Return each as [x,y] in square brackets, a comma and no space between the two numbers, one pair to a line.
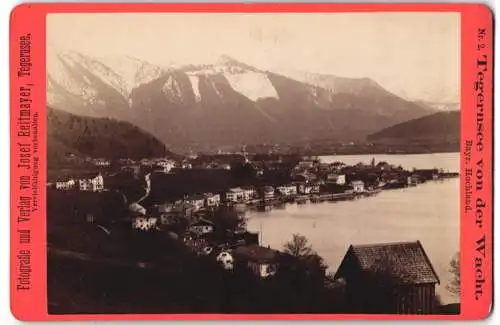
[31,18]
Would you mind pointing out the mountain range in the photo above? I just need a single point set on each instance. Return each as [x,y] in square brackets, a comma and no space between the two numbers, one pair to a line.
[225,103]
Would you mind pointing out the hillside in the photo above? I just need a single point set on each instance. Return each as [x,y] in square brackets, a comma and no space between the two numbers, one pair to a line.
[443,106]
[97,137]
[438,127]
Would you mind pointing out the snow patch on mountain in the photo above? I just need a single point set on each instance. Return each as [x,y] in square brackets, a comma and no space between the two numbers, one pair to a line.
[61,72]
[172,88]
[253,85]
[98,69]
[132,72]
[244,79]
[195,84]
[215,88]
[80,74]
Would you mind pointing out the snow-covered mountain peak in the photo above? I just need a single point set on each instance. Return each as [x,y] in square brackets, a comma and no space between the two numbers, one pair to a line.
[190,105]
[133,72]
[75,70]
[222,65]
[229,62]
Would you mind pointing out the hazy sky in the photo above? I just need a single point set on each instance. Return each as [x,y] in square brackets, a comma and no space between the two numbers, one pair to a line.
[415,55]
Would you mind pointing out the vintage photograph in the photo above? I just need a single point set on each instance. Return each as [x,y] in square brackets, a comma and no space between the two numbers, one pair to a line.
[253,163]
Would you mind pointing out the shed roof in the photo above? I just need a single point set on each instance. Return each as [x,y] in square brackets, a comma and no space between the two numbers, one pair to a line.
[255,253]
[405,261]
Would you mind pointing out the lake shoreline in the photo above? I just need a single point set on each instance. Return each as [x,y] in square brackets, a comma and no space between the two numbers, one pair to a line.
[386,153]
[429,213]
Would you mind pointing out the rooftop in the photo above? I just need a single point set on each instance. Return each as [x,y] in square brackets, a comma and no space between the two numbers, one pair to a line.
[408,261]
[256,253]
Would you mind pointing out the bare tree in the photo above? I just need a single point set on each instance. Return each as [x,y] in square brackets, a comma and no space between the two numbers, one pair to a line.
[298,246]
[454,284]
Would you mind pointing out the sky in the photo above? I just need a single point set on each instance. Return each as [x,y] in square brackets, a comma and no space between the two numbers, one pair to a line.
[414,55]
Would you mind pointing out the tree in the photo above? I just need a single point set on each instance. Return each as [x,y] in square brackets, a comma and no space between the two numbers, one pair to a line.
[454,284]
[298,246]
[314,265]
[227,219]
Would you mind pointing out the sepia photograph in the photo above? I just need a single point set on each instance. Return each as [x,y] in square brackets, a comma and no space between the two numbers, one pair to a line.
[253,163]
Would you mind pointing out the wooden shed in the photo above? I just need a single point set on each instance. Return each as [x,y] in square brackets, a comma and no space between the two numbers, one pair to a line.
[392,278]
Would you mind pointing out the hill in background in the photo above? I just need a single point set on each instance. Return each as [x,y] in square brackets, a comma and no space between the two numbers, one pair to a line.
[438,127]
[97,137]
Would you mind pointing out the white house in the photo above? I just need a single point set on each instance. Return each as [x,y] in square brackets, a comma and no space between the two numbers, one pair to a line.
[239,194]
[249,193]
[308,188]
[235,194]
[91,184]
[358,186]
[198,201]
[102,162]
[65,185]
[212,200]
[165,165]
[140,219]
[143,222]
[287,190]
[338,179]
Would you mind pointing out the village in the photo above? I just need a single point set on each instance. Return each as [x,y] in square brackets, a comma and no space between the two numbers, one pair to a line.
[201,203]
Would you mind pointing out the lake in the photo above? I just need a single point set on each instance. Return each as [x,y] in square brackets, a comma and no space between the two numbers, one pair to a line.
[429,212]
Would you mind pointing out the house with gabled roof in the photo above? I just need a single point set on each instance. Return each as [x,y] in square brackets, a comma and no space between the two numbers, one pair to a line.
[240,194]
[66,184]
[261,261]
[357,186]
[287,189]
[197,200]
[91,182]
[392,278]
